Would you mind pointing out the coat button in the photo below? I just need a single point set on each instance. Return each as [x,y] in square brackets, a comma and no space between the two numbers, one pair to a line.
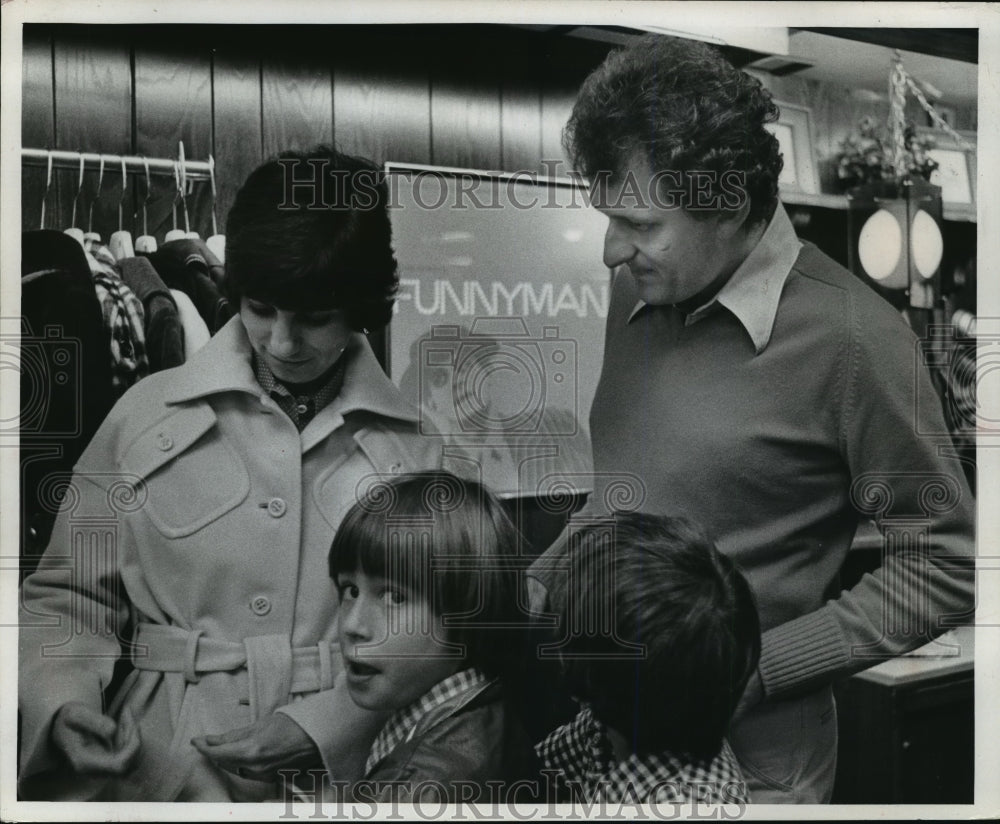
[276,507]
[260,605]
[164,442]
[302,408]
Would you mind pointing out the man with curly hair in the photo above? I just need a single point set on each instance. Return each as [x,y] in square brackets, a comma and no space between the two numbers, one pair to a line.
[754,385]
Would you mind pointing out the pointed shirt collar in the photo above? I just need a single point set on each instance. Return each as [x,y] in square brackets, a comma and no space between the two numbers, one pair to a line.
[753,292]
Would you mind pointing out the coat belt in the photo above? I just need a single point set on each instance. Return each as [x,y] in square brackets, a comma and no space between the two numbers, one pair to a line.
[275,668]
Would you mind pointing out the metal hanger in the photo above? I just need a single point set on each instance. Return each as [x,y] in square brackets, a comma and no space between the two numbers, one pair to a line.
[216,243]
[74,231]
[48,187]
[91,236]
[184,193]
[145,244]
[121,241]
[175,233]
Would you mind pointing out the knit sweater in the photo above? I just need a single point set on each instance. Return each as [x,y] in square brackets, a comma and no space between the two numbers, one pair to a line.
[777,416]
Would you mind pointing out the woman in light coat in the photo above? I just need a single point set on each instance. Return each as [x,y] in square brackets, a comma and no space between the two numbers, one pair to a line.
[191,543]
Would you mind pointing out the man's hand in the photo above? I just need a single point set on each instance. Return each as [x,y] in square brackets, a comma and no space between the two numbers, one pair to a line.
[94,743]
[257,752]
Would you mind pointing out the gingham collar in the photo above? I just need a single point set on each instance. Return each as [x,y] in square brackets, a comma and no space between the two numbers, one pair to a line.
[582,753]
[402,724]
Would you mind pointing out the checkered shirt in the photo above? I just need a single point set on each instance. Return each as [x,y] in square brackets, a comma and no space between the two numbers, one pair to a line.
[124,317]
[300,408]
[403,723]
[582,755]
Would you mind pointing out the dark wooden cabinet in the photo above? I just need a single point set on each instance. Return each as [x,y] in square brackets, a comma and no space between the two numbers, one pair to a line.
[907,728]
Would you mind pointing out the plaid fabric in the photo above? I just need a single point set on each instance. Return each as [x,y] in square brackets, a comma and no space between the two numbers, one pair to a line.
[581,753]
[403,723]
[300,408]
[124,317]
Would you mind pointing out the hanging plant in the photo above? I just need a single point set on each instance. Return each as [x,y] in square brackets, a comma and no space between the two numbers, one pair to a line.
[866,155]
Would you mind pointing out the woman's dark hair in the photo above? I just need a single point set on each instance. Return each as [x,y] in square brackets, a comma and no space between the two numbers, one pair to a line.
[310,230]
[450,540]
[661,630]
[680,105]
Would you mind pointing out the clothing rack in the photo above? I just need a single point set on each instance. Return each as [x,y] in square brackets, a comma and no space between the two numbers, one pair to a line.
[189,169]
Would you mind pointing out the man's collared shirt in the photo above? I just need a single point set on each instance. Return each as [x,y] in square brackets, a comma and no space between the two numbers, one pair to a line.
[581,752]
[403,723]
[300,408]
[753,292]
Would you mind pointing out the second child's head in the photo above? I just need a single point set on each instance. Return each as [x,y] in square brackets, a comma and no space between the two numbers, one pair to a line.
[424,567]
[661,630]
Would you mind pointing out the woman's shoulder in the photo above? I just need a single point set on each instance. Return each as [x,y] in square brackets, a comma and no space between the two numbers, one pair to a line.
[168,395]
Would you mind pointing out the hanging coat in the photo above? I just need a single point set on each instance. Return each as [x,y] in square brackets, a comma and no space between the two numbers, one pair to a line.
[190,266]
[164,333]
[65,376]
[199,524]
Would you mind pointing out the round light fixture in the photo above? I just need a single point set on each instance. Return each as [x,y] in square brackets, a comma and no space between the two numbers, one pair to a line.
[880,247]
[926,244]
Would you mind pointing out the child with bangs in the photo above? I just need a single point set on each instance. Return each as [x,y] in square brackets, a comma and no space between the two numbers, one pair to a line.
[426,569]
[660,634]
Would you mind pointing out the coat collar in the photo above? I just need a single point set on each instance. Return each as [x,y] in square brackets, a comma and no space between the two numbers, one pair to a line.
[224,365]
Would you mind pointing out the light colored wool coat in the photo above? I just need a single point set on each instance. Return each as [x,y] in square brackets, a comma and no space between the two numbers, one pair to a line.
[199,506]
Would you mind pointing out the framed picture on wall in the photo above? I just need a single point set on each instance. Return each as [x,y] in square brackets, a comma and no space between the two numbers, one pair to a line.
[956,172]
[794,133]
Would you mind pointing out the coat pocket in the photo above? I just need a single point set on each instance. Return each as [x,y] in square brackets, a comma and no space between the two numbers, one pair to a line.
[192,475]
[368,454]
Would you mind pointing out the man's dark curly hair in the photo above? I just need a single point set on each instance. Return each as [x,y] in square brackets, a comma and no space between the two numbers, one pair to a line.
[303,247]
[680,104]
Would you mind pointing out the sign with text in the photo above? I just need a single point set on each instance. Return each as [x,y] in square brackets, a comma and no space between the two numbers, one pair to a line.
[498,334]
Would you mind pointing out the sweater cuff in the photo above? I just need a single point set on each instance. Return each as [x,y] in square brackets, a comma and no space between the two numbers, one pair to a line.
[802,654]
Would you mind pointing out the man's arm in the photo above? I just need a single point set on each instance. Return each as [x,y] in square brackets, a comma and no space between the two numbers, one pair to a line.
[894,441]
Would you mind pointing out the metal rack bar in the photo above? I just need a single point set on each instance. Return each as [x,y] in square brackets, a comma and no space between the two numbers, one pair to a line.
[193,169]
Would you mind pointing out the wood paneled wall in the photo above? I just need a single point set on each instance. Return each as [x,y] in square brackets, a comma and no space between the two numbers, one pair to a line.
[488,97]
[485,97]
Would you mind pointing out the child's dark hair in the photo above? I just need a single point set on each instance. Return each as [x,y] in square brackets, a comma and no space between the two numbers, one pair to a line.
[450,539]
[310,230]
[659,582]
